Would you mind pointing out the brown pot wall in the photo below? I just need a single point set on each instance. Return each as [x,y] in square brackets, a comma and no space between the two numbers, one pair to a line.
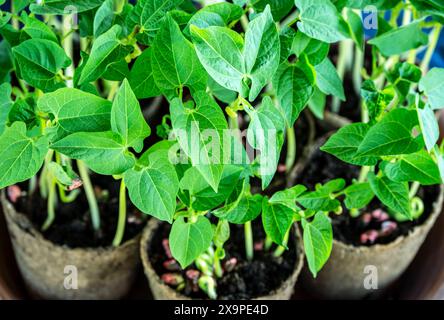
[103,273]
[163,292]
[343,275]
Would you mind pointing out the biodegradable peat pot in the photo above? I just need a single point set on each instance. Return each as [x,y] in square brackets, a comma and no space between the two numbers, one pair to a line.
[161,291]
[103,273]
[343,275]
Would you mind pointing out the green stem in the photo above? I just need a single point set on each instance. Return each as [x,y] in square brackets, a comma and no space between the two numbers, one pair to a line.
[217,267]
[291,149]
[341,67]
[122,216]
[363,173]
[268,243]
[51,204]
[434,37]
[357,68]
[281,249]
[90,196]
[414,189]
[249,241]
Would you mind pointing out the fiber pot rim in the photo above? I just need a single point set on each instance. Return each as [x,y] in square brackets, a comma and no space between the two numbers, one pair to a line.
[436,211]
[151,274]
[22,221]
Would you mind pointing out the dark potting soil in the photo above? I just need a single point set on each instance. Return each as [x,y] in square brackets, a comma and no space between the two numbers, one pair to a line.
[248,279]
[324,167]
[72,225]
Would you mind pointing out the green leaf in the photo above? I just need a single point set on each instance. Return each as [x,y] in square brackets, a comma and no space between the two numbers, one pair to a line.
[106,49]
[38,61]
[356,28]
[189,240]
[220,51]
[104,18]
[344,144]
[429,126]
[317,103]
[293,89]
[64,6]
[141,77]
[153,183]
[203,195]
[246,208]
[221,233]
[358,195]
[315,50]
[127,118]
[24,110]
[5,105]
[432,85]
[266,134]
[116,71]
[320,20]
[321,199]
[21,157]
[175,63]
[199,131]
[36,29]
[288,197]
[413,167]
[286,37]
[328,81]
[277,220]
[400,39]
[318,241]
[231,63]
[262,51]
[394,195]
[227,11]
[392,135]
[279,8]
[402,76]
[148,14]
[376,101]
[76,111]
[103,152]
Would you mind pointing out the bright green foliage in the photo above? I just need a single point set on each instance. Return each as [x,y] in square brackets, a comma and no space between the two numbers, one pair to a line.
[148,14]
[400,40]
[175,63]
[38,62]
[127,118]
[265,133]
[319,19]
[107,49]
[190,239]
[318,241]
[394,195]
[234,62]
[20,156]
[153,183]
[202,146]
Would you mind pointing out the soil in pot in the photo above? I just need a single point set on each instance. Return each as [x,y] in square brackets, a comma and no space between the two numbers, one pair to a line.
[72,226]
[324,167]
[247,280]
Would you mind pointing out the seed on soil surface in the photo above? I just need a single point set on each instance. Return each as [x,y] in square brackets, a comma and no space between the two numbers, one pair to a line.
[230,264]
[369,236]
[171,265]
[380,215]
[172,279]
[14,192]
[259,246]
[387,228]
